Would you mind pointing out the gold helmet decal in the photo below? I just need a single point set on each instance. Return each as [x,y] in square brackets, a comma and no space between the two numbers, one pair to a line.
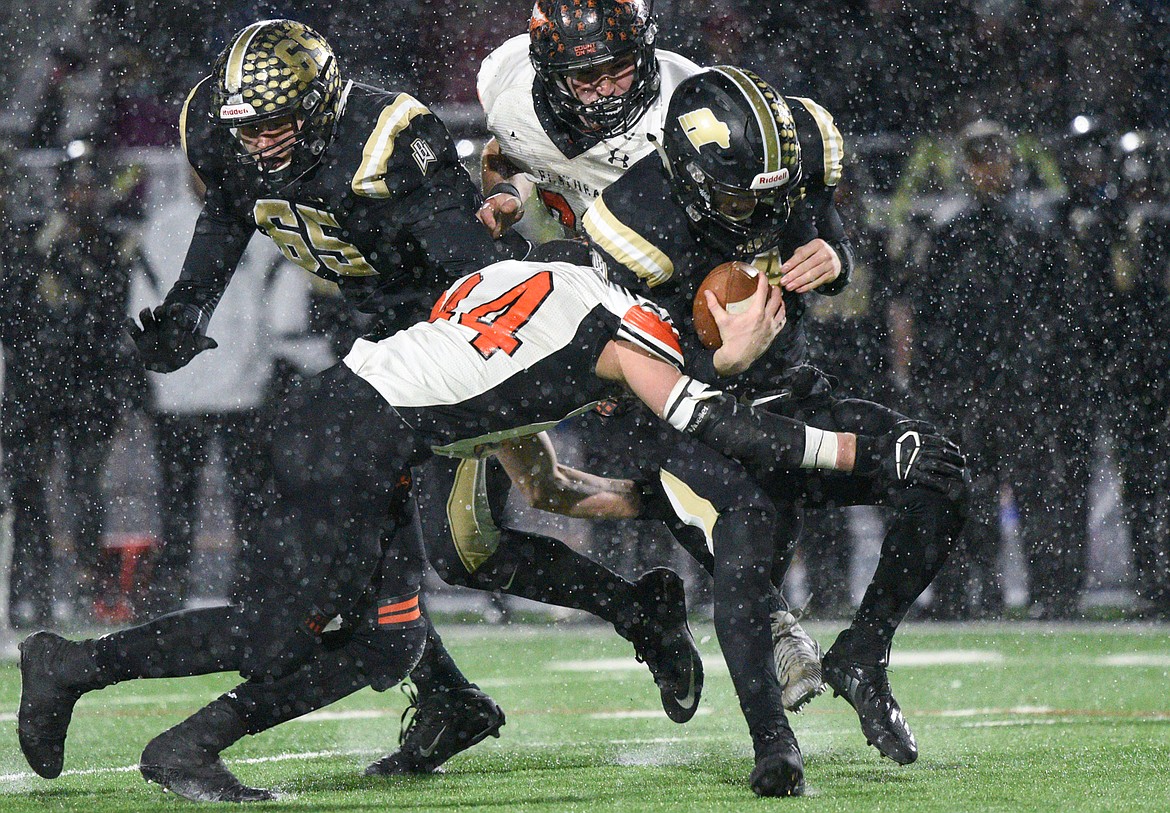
[702,127]
[270,66]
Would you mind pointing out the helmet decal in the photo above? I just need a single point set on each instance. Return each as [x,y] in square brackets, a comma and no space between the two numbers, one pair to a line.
[233,75]
[702,128]
[770,180]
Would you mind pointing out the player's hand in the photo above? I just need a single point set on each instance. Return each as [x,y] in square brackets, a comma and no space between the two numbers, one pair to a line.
[500,212]
[812,265]
[164,342]
[748,333]
[913,453]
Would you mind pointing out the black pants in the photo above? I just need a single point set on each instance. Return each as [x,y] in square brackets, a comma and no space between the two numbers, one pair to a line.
[340,538]
[921,535]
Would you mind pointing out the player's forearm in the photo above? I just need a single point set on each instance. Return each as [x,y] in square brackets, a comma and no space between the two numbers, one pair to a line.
[762,441]
[496,169]
[577,493]
[215,250]
[532,466]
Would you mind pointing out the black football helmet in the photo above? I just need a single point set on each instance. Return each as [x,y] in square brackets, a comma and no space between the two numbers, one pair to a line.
[567,36]
[730,145]
[274,69]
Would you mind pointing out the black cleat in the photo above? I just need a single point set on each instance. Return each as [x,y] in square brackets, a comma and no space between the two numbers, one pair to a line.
[662,640]
[866,687]
[54,674]
[779,767]
[445,723]
[188,770]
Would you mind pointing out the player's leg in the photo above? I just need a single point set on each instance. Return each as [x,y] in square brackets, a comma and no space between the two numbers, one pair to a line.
[700,485]
[458,504]
[335,482]
[448,713]
[379,642]
[921,535]
[743,553]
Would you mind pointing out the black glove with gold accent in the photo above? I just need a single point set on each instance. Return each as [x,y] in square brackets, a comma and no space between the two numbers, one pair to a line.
[168,338]
[913,453]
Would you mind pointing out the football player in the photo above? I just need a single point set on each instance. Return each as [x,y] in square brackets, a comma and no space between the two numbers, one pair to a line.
[570,107]
[362,187]
[746,174]
[506,350]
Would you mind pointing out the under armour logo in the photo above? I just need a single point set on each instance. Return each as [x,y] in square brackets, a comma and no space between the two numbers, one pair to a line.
[906,450]
[615,157]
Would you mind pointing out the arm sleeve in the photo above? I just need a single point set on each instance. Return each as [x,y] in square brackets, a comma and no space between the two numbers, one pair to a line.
[216,248]
[440,215]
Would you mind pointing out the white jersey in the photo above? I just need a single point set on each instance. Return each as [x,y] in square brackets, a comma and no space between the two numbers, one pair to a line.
[568,186]
[509,351]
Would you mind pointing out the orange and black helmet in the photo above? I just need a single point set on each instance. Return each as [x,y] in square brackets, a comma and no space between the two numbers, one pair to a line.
[567,36]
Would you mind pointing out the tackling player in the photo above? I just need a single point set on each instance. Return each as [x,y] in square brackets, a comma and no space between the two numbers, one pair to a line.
[745,173]
[570,107]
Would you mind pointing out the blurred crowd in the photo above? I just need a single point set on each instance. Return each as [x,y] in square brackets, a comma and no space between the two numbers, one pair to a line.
[1008,195]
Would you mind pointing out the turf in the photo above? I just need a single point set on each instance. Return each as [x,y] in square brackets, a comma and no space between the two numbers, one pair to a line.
[1012,718]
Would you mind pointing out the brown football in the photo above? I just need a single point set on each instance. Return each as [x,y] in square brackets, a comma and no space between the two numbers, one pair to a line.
[733,284]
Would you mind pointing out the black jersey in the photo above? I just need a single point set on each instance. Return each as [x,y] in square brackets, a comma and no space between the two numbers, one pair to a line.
[647,239]
[389,214]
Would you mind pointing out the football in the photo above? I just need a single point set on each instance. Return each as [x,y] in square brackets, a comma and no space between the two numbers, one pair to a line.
[733,284]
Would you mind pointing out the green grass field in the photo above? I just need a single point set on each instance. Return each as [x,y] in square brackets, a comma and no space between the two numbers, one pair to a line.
[1007,718]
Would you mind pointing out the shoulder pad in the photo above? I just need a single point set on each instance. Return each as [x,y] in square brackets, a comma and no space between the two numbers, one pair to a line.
[618,220]
[370,179]
[822,146]
[195,130]
[501,69]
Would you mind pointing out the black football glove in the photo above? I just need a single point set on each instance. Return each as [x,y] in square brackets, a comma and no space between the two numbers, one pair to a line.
[912,454]
[166,341]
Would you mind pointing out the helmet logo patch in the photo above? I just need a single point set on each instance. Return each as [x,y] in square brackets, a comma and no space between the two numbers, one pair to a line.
[702,128]
[768,180]
[237,111]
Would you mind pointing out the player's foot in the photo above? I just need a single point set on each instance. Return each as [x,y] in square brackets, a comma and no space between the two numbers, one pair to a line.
[662,640]
[444,723]
[798,661]
[54,674]
[183,767]
[866,687]
[779,769]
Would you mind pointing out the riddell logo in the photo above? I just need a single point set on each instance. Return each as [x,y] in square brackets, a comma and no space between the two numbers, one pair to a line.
[587,48]
[236,111]
[766,180]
